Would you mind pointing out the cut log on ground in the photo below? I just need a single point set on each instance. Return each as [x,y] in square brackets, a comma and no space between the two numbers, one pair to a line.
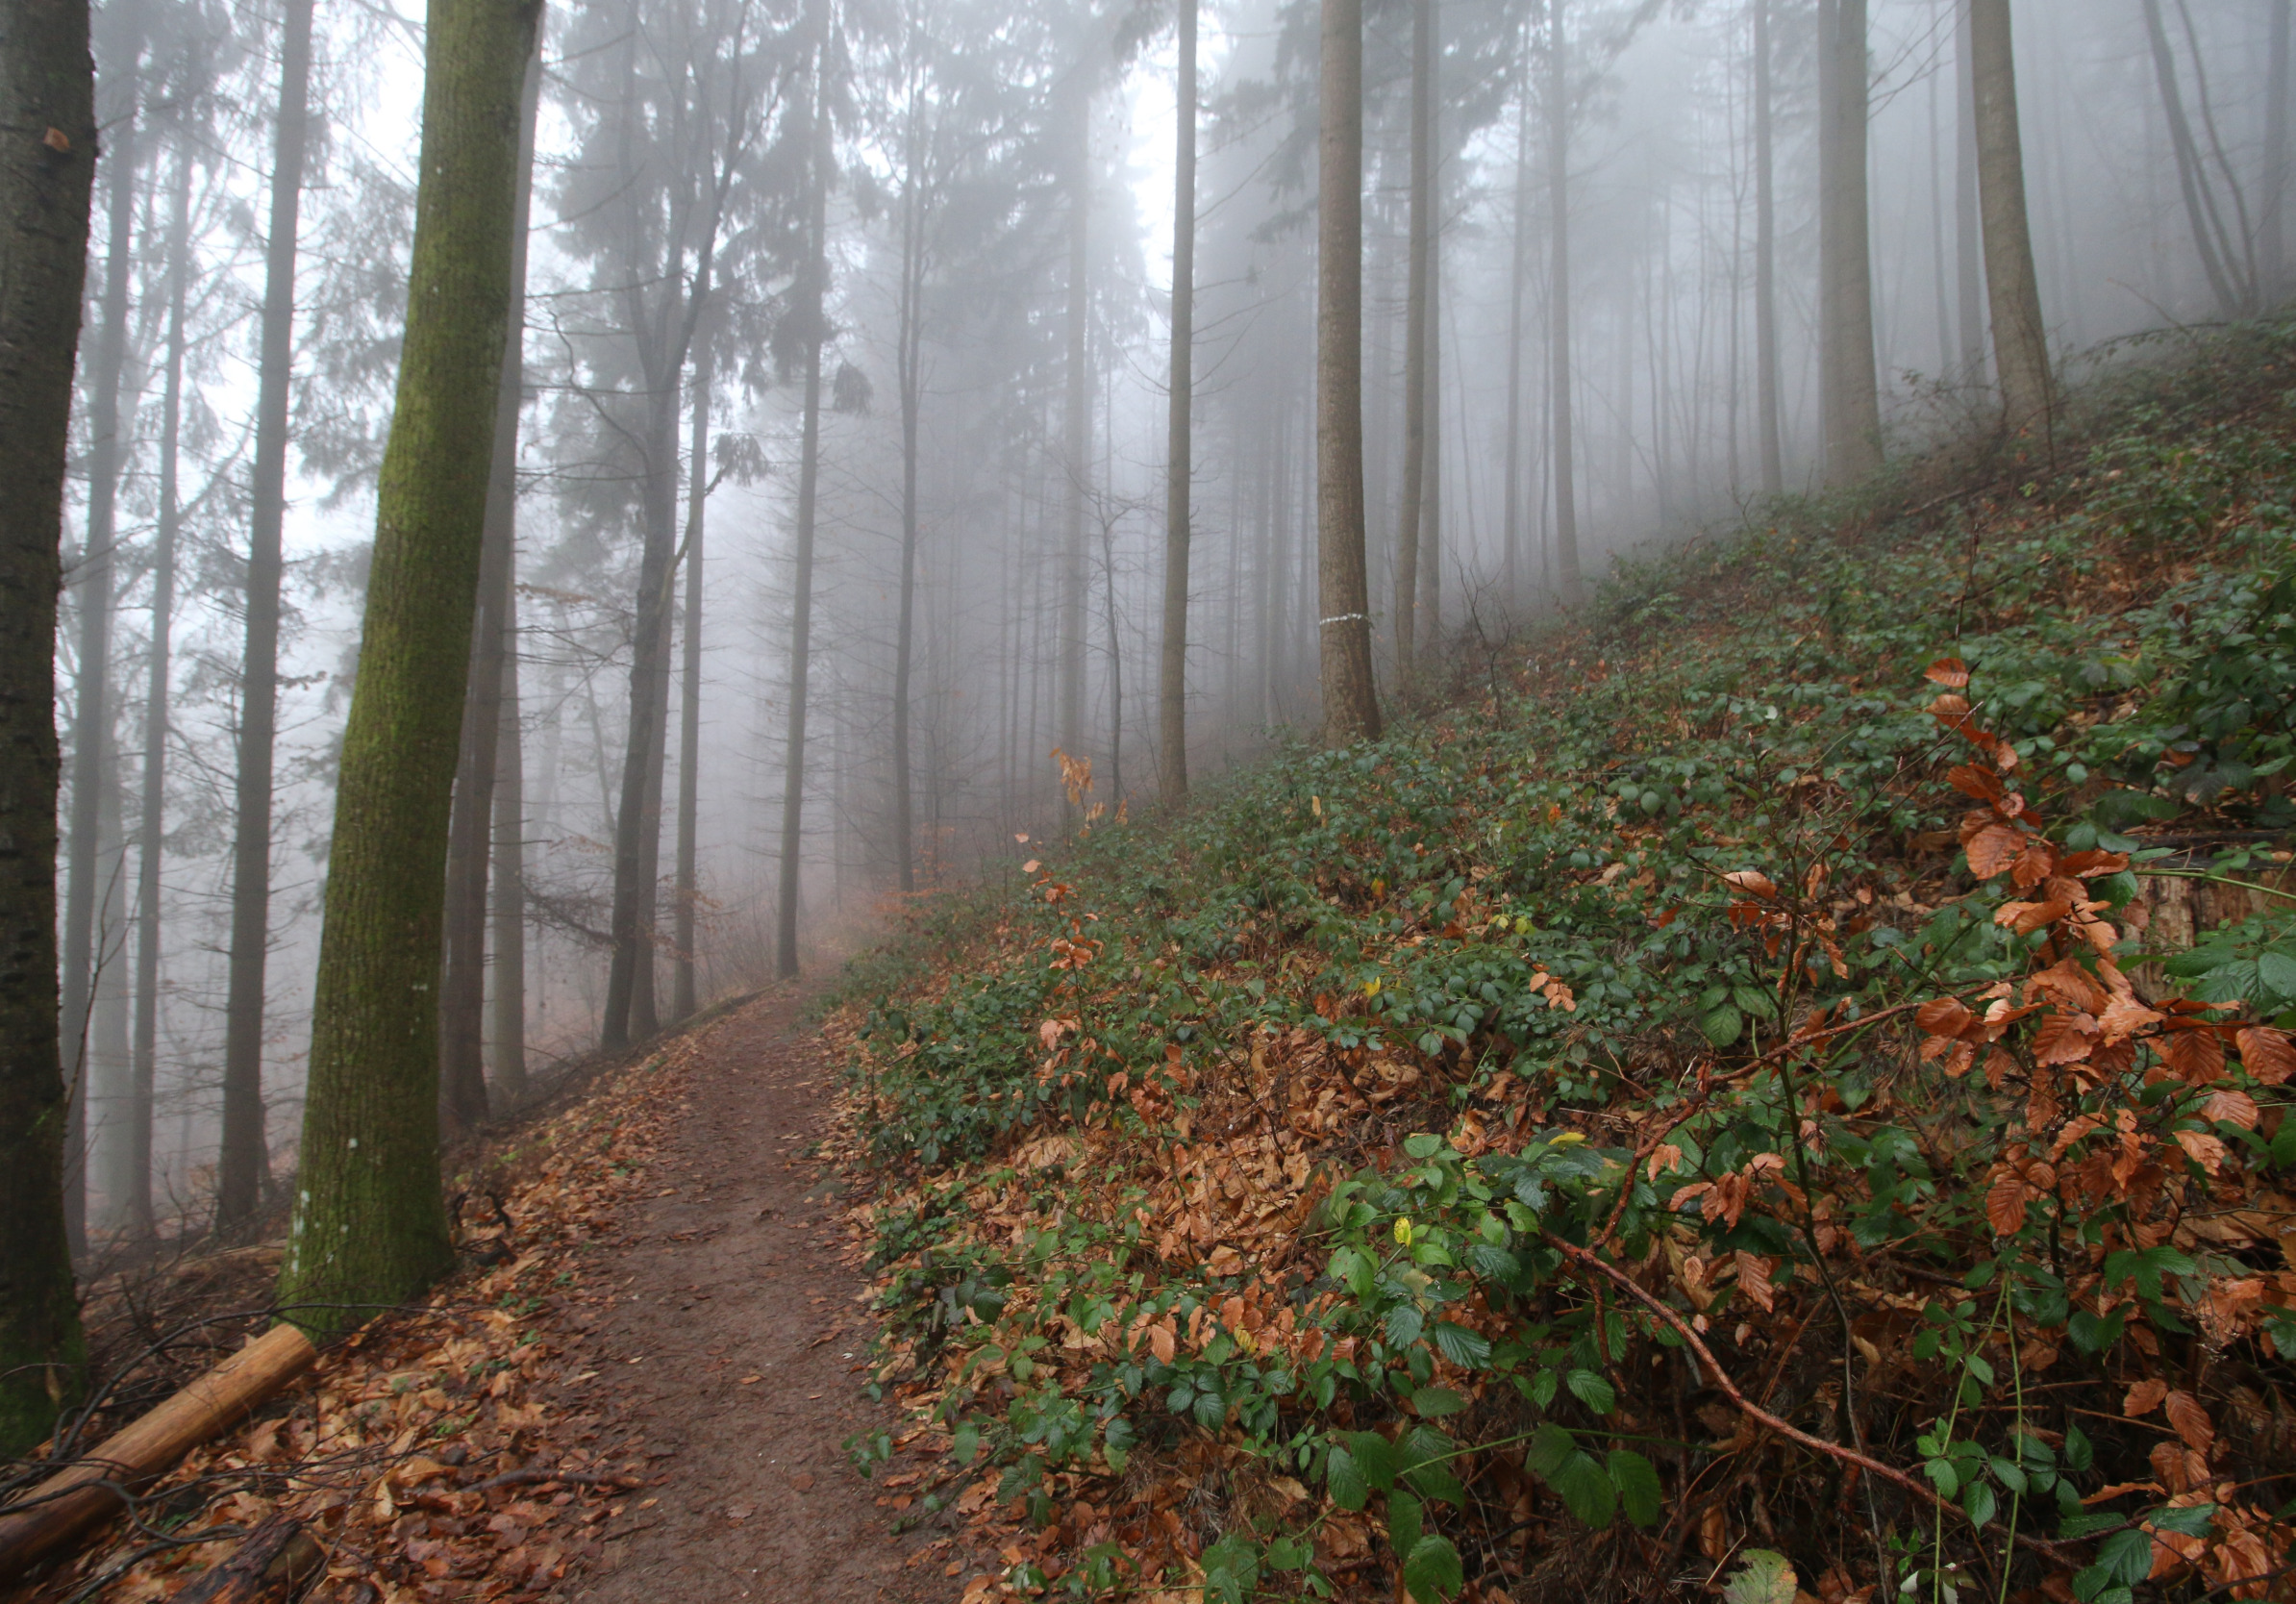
[97,1486]
[269,1567]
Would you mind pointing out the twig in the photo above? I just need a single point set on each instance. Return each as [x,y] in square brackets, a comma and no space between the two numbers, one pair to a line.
[1762,1416]
[531,1477]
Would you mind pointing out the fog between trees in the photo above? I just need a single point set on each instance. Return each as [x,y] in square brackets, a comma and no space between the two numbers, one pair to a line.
[833,481]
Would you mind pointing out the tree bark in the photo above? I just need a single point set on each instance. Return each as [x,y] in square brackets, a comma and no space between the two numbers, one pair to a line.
[1350,697]
[1511,536]
[2272,210]
[369,1230]
[47,162]
[1851,402]
[463,988]
[152,829]
[508,875]
[1765,261]
[1968,238]
[85,1491]
[1419,232]
[2218,254]
[1568,580]
[1077,431]
[811,305]
[244,1164]
[92,711]
[2020,341]
[510,880]
[683,994]
[910,336]
[1171,690]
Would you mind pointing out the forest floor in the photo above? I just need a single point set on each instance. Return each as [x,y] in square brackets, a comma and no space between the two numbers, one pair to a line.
[638,1386]
[736,1346]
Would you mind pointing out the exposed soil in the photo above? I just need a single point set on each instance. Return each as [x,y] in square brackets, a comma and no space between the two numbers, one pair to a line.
[734,1344]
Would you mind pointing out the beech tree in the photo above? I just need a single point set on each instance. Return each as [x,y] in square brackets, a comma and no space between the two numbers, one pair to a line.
[369,1226]
[1350,698]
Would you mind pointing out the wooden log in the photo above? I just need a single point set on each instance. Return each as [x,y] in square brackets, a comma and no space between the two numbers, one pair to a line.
[95,1487]
[269,1566]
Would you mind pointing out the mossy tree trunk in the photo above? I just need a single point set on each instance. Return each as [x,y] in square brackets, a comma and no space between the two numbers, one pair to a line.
[369,1229]
[47,165]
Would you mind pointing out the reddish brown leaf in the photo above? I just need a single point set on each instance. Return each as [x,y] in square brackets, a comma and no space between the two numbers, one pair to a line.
[2191,1421]
[2005,1202]
[1943,1016]
[1948,672]
[2267,1054]
[2144,1398]
[1754,1279]
[2195,1053]
[1992,850]
[1752,883]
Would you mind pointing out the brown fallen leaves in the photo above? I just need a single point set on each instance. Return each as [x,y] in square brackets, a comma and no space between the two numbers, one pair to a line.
[447,1452]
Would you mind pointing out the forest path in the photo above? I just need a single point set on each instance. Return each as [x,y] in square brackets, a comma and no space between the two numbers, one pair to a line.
[734,1271]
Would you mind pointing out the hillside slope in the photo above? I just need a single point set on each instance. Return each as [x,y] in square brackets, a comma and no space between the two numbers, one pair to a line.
[1703,1106]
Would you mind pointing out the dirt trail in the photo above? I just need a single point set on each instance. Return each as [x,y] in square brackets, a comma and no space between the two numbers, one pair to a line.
[733,1346]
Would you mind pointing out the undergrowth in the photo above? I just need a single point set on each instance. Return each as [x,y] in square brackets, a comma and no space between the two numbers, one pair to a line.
[1709,1113]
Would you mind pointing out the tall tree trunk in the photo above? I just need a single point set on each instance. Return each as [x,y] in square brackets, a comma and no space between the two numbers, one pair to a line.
[811,307]
[462,989]
[1851,395]
[47,81]
[1428,631]
[1171,690]
[1766,377]
[152,828]
[2272,212]
[91,709]
[510,880]
[1350,698]
[1568,580]
[2209,237]
[1077,433]
[684,997]
[244,1164]
[1417,250]
[1969,292]
[910,337]
[494,655]
[1519,270]
[369,1230]
[2020,341]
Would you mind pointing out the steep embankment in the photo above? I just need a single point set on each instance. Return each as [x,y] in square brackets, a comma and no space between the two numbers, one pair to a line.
[1707,1104]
